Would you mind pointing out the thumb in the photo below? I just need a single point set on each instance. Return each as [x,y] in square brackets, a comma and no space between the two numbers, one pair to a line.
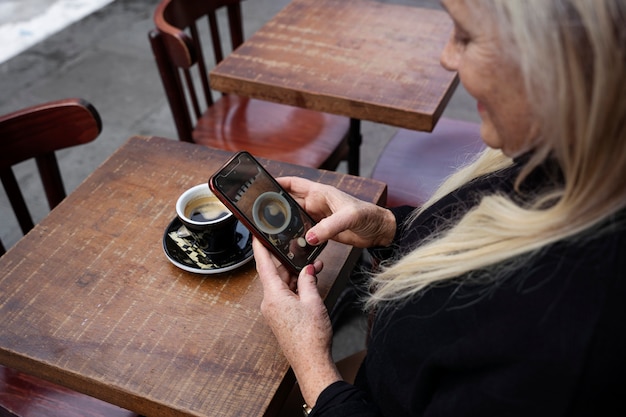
[307,283]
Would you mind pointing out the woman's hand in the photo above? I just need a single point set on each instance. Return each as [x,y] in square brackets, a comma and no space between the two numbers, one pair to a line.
[296,314]
[340,216]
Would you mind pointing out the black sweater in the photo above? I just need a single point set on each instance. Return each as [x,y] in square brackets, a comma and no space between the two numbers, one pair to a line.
[549,340]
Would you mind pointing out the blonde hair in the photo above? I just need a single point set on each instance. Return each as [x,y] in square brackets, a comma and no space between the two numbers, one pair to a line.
[572,56]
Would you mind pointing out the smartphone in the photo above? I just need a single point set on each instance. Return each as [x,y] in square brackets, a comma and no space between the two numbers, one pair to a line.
[266,209]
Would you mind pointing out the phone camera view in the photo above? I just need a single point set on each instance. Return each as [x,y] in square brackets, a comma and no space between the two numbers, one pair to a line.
[274,214]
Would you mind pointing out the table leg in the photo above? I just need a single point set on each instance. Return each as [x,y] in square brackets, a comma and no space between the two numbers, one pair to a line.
[354,143]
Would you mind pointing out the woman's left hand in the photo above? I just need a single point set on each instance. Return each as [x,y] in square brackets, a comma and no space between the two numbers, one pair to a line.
[298,317]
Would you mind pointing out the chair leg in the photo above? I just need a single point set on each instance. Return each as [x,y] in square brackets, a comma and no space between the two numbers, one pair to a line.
[354,142]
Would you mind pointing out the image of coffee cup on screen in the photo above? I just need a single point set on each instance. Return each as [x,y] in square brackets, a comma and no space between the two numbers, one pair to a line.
[272,214]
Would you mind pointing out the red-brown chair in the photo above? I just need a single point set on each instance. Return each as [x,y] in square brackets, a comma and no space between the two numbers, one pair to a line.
[265,129]
[36,133]
[413,164]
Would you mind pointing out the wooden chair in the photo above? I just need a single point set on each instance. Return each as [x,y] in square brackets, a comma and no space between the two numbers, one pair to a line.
[37,132]
[413,164]
[230,122]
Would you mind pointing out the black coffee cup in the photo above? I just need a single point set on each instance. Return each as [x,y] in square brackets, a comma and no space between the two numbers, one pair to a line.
[210,224]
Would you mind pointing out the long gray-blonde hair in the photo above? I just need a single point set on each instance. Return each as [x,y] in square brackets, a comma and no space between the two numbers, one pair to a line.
[572,57]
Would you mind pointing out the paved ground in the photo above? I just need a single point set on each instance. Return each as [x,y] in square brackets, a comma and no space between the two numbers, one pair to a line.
[24,23]
[106,59]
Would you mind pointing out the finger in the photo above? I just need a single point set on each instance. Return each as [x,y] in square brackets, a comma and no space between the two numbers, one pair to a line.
[293,285]
[329,228]
[307,283]
[265,264]
[262,257]
[285,182]
[296,186]
[318,265]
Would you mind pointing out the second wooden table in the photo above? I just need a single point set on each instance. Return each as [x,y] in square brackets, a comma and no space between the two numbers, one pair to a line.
[358,58]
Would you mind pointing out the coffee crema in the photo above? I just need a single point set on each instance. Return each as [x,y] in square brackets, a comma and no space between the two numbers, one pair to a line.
[274,215]
[271,213]
[205,209]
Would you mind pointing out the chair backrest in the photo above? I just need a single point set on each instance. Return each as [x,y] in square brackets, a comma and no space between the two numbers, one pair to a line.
[37,132]
[177,46]
[413,164]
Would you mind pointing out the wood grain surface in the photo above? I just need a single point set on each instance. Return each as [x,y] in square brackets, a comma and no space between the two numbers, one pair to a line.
[358,58]
[89,300]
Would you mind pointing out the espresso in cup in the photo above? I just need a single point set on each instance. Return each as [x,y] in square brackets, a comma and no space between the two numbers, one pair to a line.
[210,224]
[271,213]
[206,209]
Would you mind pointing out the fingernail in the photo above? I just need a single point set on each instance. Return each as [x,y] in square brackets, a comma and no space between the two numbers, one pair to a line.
[310,269]
[312,239]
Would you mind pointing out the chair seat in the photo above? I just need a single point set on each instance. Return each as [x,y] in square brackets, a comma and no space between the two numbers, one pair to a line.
[22,395]
[180,42]
[413,164]
[275,131]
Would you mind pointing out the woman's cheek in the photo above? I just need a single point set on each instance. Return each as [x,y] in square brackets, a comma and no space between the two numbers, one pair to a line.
[489,135]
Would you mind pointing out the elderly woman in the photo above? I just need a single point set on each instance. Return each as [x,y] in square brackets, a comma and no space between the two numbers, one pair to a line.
[506,293]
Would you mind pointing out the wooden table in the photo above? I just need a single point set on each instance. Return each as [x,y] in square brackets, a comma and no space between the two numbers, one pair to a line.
[89,300]
[358,58]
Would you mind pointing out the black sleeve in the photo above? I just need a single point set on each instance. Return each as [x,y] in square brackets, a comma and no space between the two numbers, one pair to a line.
[341,399]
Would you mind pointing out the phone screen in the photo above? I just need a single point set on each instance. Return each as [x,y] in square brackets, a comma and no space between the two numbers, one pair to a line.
[255,197]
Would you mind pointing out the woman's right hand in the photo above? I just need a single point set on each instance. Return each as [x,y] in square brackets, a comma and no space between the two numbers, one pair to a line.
[340,216]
